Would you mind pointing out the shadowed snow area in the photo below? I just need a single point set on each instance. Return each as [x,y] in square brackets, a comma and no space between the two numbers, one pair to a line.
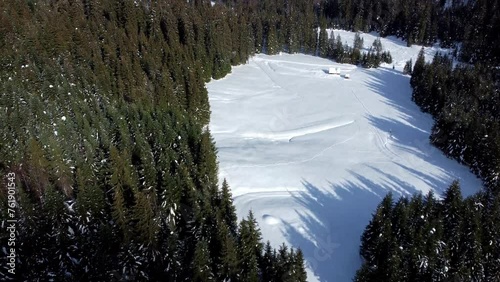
[312,154]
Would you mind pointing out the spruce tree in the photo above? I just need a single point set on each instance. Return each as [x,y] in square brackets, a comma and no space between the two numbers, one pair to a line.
[249,249]
[293,40]
[284,264]
[358,41]
[377,45]
[473,268]
[323,43]
[373,236]
[201,263]
[408,68]
[228,268]
[272,43]
[452,222]
[331,46]
[299,271]
[339,49]
[268,264]
[418,69]
[227,209]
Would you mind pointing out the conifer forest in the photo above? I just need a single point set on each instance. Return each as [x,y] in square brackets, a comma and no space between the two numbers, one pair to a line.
[104,133]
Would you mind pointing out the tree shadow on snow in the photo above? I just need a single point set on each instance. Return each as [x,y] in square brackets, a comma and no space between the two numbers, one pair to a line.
[396,89]
[335,219]
[410,132]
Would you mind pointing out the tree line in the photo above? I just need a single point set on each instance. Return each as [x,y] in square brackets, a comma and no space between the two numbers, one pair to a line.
[453,239]
[464,101]
[470,27]
[424,238]
[370,57]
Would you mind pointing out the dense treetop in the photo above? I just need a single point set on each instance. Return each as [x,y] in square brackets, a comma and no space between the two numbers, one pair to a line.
[103,119]
[104,114]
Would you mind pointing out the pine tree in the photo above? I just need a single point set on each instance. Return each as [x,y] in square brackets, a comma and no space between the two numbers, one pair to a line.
[387,57]
[331,46]
[120,181]
[358,24]
[293,40]
[147,223]
[268,264]
[250,249]
[272,44]
[201,263]
[283,264]
[339,49]
[358,41]
[363,274]
[490,235]
[228,268]
[408,67]
[372,238]
[473,269]
[323,43]
[400,224]
[227,209]
[299,271]
[258,35]
[452,222]
[377,45]
[418,69]
[355,57]
[37,167]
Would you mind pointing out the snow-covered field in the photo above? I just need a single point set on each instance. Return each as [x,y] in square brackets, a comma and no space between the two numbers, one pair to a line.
[312,154]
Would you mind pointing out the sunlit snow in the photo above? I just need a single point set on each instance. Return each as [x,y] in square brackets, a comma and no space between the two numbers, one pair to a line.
[312,154]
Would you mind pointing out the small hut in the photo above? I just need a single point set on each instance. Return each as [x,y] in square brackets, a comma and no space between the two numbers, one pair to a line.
[335,71]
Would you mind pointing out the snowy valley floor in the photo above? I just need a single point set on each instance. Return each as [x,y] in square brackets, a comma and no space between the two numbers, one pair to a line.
[313,154]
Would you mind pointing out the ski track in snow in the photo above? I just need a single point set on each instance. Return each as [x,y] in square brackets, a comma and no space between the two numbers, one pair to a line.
[294,133]
[312,154]
[381,143]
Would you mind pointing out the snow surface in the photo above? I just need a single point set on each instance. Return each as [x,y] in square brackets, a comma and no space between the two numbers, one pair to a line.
[312,154]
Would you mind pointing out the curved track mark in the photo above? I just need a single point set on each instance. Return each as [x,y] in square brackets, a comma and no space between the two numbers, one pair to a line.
[301,161]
